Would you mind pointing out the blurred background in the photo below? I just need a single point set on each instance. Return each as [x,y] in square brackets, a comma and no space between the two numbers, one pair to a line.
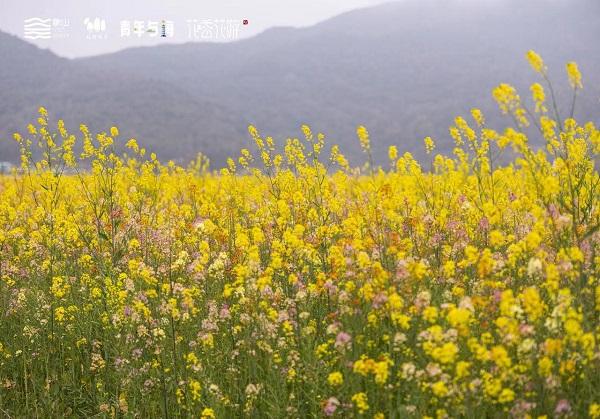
[186,77]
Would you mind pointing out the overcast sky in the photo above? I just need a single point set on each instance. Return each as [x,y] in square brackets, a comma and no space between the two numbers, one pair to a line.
[117,24]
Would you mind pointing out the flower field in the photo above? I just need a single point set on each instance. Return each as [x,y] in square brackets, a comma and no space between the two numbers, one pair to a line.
[293,285]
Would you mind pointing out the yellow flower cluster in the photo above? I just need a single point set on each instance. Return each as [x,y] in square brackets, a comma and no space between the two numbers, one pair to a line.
[292,285]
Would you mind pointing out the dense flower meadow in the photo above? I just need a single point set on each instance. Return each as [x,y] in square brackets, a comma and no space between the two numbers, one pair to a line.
[292,285]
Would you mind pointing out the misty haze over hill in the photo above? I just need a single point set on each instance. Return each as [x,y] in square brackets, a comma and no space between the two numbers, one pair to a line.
[403,69]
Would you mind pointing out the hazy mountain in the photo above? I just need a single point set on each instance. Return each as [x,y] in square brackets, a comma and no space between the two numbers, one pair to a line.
[162,116]
[403,69]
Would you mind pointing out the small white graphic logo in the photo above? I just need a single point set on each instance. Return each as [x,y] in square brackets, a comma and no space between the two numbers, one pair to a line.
[37,28]
[95,27]
[45,28]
